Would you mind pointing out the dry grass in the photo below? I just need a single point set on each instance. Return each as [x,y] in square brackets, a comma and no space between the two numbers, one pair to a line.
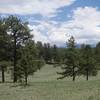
[44,86]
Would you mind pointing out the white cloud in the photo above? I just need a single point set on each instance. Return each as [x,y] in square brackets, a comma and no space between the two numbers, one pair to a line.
[84,26]
[43,7]
[47,31]
[38,36]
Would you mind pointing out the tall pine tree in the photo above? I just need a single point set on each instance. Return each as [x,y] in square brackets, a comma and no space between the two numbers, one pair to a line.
[71,60]
[87,62]
[4,48]
[19,32]
[29,62]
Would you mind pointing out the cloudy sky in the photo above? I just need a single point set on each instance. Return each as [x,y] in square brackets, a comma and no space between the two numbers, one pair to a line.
[54,21]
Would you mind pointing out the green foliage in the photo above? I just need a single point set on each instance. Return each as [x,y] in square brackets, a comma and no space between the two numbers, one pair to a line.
[18,29]
[19,33]
[29,62]
[40,49]
[71,62]
[97,55]
[55,54]
[87,62]
[4,48]
[47,53]
[4,41]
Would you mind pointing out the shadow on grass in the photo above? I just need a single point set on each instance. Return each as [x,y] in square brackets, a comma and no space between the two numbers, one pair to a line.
[5,82]
[15,85]
[20,85]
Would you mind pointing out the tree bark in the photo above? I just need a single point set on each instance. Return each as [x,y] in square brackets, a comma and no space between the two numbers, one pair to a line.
[15,71]
[73,73]
[26,78]
[87,74]
[3,74]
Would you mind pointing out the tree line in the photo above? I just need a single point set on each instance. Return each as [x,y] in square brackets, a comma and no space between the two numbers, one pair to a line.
[20,54]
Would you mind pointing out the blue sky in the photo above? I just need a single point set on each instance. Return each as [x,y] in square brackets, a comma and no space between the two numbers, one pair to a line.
[54,21]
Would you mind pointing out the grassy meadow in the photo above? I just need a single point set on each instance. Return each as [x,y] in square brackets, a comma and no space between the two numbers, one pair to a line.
[43,85]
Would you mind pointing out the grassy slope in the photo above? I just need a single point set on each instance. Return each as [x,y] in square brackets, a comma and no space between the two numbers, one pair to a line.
[44,86]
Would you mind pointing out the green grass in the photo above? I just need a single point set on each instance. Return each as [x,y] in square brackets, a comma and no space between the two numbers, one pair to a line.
[44,86]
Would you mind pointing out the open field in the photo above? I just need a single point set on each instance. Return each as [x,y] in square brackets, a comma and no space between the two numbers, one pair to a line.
[44,86]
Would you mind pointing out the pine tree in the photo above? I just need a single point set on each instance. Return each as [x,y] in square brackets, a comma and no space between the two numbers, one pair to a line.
[29,62]
[55,54]
[3,67]
[87,62]
[47,53]
[4,48]
[71,60]
[97,54]
[40,49]
[19,32]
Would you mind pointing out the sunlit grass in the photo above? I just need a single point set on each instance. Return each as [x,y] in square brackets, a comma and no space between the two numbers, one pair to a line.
[44,86]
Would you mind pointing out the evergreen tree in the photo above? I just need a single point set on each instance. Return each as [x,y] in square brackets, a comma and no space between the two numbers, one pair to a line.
[4,48]
[29,62]
[87,62]
[19,32]
[47,53]
[3,67]
[40,49]
[55,54]
[97,55]
[71,60]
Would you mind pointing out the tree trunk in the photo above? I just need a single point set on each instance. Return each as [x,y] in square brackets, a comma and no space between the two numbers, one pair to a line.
[73,73]
[26,78]
[15,71]
[3,74]
[87,74]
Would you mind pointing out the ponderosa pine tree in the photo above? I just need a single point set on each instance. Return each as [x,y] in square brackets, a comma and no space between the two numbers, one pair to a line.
[29,62]
[55,54]
[97,54]
[4,48]
[19,33]
[87,62]
[40,49]
[71,60]
[47,53]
